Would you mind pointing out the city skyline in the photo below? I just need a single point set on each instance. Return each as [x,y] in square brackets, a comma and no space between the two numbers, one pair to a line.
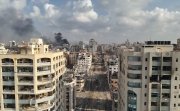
[102,20]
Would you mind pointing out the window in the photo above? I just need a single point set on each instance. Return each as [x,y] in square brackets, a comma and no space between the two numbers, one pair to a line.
[156,59]
[164,103]
[145,68]
[144,103]
[154,104]
[176,59]
[145,77]
[146,59]
[175,78]
[167,59]
[154,94]
[134,58]
[134,67]
[176,69]
[154,86]
[175,87]
[134,76]
[166,86]
[145,95]
[156,68]
[174,96]
[174,105]
[166,68]
[145,86]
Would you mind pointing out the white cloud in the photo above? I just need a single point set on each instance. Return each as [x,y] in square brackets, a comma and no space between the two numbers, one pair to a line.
[51,10]
[36,12]
[79,19]
[83,11]
[17,4]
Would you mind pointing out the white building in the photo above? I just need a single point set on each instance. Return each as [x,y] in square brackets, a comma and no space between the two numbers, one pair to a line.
[149,77]
[84,62]
[30,78]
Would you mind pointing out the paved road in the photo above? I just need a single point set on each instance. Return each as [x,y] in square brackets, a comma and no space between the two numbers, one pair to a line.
[96,96]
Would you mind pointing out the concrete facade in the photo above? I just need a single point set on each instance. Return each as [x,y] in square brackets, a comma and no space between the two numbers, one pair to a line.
[148,77]
[30,79]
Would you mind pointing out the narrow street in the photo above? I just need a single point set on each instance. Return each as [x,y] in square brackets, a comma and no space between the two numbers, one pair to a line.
[96,95]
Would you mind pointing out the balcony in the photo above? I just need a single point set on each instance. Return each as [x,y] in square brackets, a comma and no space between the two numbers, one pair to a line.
[27,71]
[9,101]
[165,108]
[7,62]
[24,62]
[25,81]
[44,72]
[165,99]
[46,88]
[167,63]
[44,106]
[26,90]
[44,80]
[166,81]
[44,64]
[135,71]
[7,73]
[26,99]
[45,98]
[154,99]
[8,83]
[166,91]
[8,89]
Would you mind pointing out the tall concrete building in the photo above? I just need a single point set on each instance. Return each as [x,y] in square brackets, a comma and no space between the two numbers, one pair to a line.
[93,46]
[69,89]
[113,81]
[30,78]
[84,62]
[149,77]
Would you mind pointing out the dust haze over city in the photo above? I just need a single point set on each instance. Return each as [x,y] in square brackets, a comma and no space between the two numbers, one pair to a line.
[89,55]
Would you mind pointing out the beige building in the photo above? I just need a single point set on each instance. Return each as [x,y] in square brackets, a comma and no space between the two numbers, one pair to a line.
[149,77]
[30,79]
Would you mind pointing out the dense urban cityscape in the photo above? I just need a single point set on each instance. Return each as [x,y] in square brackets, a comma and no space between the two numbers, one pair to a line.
[36,76]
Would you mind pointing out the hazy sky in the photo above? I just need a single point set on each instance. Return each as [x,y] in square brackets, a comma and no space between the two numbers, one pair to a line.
[105,20]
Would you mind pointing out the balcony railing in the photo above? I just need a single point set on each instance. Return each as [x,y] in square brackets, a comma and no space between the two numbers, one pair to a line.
[44,72]
[9,83]
[12,101]
[7,64]
[44,64]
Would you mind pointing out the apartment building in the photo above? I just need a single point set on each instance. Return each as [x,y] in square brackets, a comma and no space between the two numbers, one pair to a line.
[93,46]
[112,76]
[80,82]
[148,78]
[84,62]
[69,88]
[73,58]
[30,78]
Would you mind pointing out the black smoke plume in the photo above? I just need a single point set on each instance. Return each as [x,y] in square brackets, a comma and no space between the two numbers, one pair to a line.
[60,40]
[14,26]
